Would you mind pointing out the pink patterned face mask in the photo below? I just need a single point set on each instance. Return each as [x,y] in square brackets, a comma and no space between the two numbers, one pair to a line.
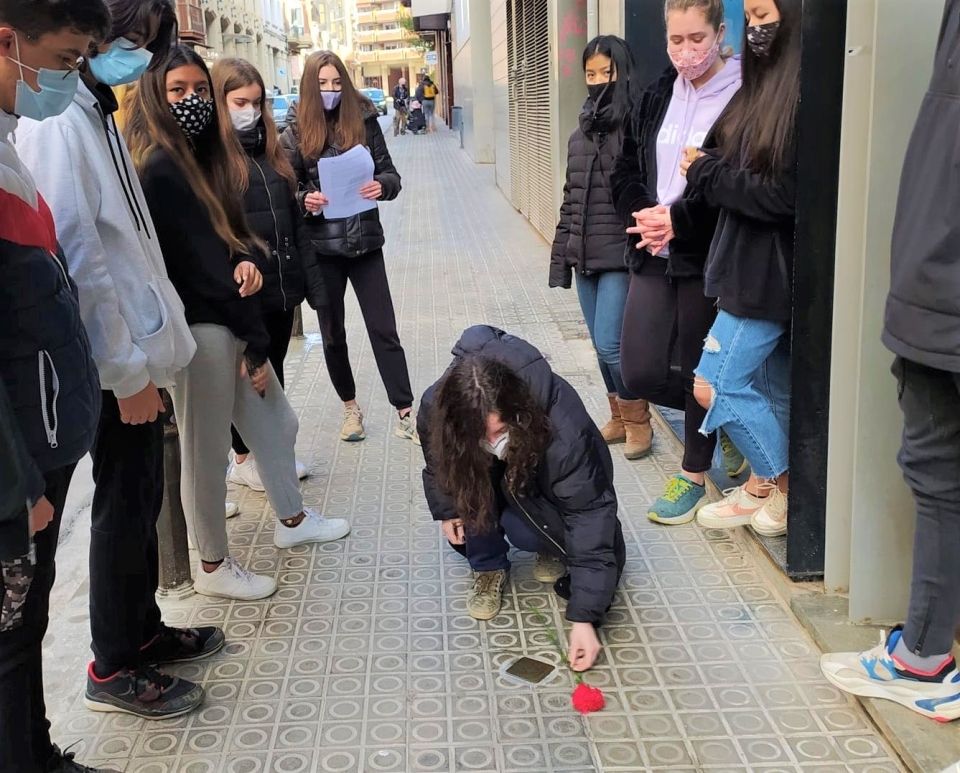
[692,64]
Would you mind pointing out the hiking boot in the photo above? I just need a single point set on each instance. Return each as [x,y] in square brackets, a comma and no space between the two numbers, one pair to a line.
[144,693]
[352,428]
[771,519]
[232,581]
[636,421]
[64,762]
[182,645]
[679,502]
[614,431]
[734,463]
[486,596]
[246,474]
[876,673]
[737,508]
[548,568]
[407,428]
[313,528]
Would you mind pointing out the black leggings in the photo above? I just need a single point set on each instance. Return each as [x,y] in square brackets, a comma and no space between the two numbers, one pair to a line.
[279,325]
[368,275]
[666,320]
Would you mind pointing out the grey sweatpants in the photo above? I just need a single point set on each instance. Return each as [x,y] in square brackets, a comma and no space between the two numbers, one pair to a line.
[209,396]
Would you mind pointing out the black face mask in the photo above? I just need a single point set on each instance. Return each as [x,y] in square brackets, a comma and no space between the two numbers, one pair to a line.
[760,38]
[601,93]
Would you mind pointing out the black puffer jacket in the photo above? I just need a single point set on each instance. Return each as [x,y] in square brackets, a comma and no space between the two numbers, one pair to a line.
[274,215]
[352,236]
[573,504]
[590,236]
[634,185]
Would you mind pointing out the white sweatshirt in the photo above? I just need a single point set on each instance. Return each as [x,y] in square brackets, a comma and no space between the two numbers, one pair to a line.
[133,315]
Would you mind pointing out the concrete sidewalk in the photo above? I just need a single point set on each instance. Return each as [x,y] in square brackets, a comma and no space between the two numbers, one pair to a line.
[365,659]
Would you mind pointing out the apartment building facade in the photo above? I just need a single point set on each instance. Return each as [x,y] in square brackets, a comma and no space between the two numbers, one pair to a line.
[384,49]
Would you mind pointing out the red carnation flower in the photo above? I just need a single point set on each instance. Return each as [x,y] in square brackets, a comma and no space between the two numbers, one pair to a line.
[587,699]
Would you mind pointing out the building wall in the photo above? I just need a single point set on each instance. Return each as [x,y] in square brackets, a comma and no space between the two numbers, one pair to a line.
[382,45]
[501,94]
[472,77]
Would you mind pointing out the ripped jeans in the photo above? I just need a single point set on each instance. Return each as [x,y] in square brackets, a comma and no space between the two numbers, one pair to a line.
[747,363]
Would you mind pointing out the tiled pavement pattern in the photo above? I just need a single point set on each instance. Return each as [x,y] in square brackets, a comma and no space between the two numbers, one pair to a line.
[366,661]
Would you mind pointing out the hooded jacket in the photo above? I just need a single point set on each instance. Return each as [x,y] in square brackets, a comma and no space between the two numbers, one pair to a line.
[45,357]
[922,321]
[572,505]
[638,178]
[132,312]
[353,236]
[589,236]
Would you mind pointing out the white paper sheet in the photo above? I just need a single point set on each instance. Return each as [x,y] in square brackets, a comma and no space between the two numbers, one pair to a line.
[341,178]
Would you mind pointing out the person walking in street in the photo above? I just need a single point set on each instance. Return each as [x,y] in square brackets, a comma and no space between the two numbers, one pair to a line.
[427,97]
[51,390]
[259,169]
[140,341]
[590,238]
[176,143]
[743,379]
[913,664]
[666,311]
[401,107]
[512,457]
[331,118]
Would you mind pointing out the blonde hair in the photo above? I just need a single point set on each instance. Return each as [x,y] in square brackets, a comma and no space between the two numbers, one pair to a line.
[713,11]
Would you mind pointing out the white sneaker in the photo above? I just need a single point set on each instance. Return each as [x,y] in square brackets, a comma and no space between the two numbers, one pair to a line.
[232,581]
[407,428]
[771,519]
[232,509]
[246,474]
[737,508]
[302,471]
[313,528]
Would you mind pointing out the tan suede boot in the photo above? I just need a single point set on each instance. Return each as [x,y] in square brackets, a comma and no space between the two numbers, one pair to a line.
[636,420]
[614,431]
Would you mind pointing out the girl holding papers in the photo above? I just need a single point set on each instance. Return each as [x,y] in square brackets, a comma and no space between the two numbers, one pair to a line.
[333,120]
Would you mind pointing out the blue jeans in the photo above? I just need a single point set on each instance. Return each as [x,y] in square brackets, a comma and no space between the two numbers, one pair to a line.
[488,552]
[602,300]
[747,362]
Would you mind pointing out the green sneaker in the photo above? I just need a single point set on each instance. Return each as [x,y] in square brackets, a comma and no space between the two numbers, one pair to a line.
[734,462]
[678,503]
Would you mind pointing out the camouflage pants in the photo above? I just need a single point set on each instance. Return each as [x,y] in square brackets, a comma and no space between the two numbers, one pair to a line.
[17,577]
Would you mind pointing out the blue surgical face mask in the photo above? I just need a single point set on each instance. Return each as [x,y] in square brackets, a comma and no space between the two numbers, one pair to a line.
[330,99]
[124,62]
[57,90]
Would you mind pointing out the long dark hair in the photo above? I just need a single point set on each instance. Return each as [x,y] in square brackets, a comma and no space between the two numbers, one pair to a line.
[134,16]
[229,75]
[314,131]
[472,389]
[151,125]
[627,92]
[758,131]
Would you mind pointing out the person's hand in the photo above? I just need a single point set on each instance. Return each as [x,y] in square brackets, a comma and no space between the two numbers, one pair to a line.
[690,155]
[258,378]
[371,190]
[40,515]
[248,276]
[143,407]
[584,646]
[453,531]
[654,226]
[315,201]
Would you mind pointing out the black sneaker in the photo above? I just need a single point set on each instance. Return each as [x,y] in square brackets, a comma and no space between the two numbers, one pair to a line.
[64,762]
[145,693]
[181,645]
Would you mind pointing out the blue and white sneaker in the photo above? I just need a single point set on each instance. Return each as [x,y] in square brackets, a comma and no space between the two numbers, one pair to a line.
[877,674]
[679,502]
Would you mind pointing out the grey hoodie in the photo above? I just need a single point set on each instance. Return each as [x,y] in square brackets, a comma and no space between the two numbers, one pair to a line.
[923,308]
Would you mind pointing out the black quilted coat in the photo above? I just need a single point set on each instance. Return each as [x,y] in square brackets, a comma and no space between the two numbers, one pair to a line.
[573,505]
[591,236]
[352,236]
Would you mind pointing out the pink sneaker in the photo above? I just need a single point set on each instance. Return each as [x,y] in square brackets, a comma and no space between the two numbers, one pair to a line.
[737,508]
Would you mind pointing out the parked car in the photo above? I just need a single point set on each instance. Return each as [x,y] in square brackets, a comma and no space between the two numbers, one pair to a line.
[378,98]
[279,104]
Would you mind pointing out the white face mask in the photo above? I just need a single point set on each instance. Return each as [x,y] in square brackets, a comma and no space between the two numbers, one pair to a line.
[244,118]
[498,449]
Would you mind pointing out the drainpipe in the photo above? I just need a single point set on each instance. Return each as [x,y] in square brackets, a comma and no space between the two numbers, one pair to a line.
[593,23]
